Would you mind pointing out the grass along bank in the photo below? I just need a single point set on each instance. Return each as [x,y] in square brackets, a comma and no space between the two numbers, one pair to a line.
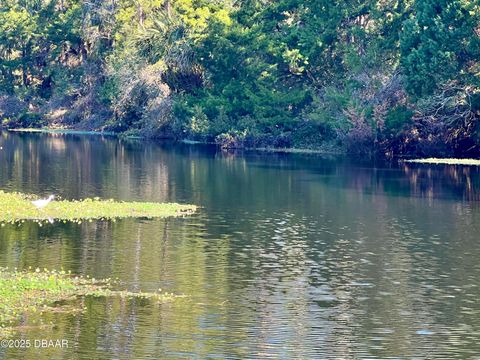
[16,207]
[23,292]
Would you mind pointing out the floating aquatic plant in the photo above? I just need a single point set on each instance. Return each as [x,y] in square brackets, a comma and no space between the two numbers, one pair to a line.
[472,162]
[17,207]
[23,292]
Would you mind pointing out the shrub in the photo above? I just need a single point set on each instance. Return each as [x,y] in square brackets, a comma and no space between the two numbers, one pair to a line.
[230,140]
[311,135]
[397,118]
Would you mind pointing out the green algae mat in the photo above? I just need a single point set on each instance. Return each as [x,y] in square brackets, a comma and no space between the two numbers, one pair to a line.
[17,207]
[38,291]
[471,162]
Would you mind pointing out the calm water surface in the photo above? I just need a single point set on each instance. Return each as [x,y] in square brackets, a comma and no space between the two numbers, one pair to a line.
[289,257]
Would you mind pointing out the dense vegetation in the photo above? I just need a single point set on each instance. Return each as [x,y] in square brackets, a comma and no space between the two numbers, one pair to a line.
[390,77]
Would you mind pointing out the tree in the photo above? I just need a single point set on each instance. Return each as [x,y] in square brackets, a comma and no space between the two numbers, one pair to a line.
[440,43]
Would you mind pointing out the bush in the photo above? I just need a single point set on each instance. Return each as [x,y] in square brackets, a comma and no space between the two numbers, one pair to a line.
[397,118]
[230,140]
[311,135]
[31,119]
[11,108]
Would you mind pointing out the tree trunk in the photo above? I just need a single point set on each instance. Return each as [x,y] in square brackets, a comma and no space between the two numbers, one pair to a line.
[24,66]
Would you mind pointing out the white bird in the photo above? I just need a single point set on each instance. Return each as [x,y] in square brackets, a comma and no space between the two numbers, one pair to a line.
[40,204]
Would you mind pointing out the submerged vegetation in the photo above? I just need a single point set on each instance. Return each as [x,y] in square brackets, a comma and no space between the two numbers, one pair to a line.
[23,292]
[389,77]
[16,207]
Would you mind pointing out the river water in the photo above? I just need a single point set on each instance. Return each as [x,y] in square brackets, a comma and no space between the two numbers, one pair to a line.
[289,257]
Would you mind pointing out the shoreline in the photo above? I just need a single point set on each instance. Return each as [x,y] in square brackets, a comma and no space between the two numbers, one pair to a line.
[69,131]
[62,131]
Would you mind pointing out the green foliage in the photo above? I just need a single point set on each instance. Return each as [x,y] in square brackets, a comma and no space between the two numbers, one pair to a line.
[439,43]
[475,102]
[249,73]
[312,135]
[34,36]
[397,118]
